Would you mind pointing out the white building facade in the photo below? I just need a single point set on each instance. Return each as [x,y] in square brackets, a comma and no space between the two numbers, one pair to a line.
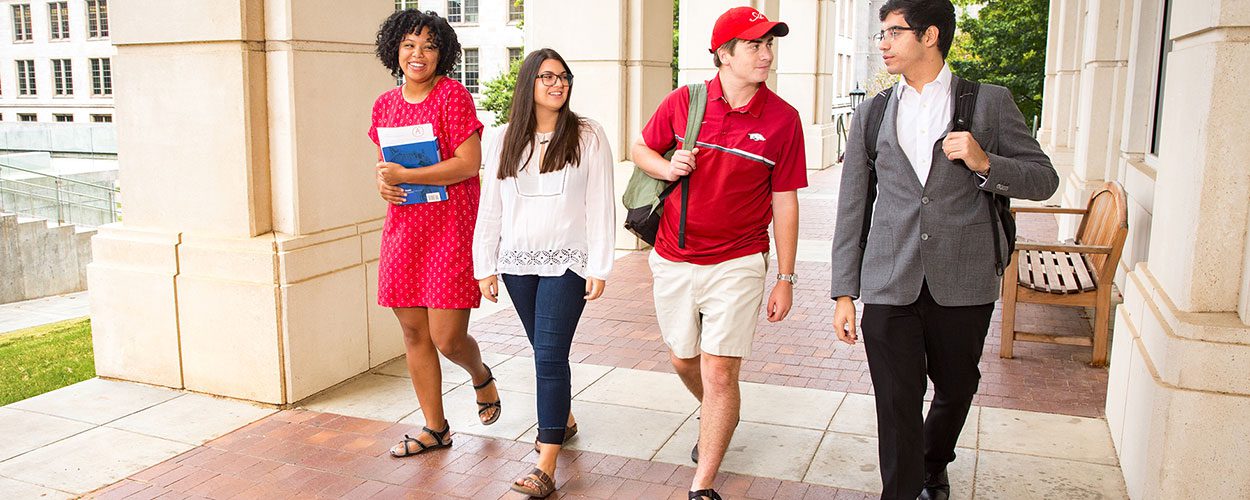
[56,62]
[1151,94]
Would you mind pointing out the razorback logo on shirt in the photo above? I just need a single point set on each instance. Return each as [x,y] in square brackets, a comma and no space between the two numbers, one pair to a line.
[756,136]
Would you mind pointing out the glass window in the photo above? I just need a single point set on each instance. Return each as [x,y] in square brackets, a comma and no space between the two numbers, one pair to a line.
[514,55]
[462,11]
[97,19]
[102,118]
[21,23]
[58,20]
[516,10]
[26,78]
[405,4]
[101,77]
[25,117]
[63,118]
[467,72]
[62,77]
[1164,48]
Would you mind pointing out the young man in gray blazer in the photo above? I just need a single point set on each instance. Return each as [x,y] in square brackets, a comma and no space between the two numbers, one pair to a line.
[927,274]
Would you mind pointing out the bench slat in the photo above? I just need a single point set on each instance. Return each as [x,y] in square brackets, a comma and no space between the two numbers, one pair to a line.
[1052,272]
[1082,273]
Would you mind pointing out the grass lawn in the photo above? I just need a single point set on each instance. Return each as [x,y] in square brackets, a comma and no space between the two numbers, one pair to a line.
[40,359]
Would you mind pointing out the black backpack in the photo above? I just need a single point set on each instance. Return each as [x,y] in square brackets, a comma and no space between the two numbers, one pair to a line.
[965,104]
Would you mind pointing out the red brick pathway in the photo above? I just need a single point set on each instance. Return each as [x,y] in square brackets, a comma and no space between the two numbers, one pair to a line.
[620,330]
[302,454]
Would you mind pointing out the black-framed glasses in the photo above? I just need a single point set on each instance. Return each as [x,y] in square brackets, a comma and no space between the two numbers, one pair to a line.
[549,79]
[892,32]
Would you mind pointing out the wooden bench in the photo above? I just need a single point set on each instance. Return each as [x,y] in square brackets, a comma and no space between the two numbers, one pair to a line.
[1078,274]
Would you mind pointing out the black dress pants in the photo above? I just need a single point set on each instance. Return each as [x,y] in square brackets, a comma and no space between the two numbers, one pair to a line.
[904,344]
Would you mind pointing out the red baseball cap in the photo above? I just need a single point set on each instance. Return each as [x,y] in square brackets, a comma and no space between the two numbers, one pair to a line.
[745,23]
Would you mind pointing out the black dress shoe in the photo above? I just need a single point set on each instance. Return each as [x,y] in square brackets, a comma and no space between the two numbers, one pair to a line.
[937,486]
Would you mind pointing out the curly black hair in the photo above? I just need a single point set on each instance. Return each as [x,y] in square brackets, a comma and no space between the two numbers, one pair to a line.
[410,22]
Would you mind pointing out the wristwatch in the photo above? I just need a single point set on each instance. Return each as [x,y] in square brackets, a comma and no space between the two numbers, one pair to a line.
[792,278]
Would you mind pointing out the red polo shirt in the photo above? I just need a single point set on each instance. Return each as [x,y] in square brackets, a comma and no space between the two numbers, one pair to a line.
[745,155]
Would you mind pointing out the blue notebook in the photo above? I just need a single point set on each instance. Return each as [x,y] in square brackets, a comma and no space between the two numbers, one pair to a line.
[413,147]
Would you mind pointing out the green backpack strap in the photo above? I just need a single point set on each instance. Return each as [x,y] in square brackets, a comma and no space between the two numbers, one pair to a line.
[694,121]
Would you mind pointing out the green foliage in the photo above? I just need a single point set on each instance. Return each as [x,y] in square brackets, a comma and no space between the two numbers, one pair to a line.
[498,94]
[40,359]
[1004,43]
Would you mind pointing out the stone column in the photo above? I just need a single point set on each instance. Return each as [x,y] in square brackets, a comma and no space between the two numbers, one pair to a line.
[1060,105]
[620,51]
[805,74]
[242,267]
[1178,397]
[1100,102]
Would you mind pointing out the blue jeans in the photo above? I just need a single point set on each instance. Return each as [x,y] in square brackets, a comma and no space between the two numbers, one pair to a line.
[549,308]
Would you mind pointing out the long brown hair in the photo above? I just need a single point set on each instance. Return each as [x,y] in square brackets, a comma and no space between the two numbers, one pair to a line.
[565,147]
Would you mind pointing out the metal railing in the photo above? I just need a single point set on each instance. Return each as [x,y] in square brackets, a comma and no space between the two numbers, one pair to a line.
[37,194]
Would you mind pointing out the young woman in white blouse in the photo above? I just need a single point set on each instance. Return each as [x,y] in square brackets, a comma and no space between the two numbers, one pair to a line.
[546,224]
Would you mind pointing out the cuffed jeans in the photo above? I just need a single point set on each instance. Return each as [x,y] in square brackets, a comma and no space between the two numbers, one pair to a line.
[549,308]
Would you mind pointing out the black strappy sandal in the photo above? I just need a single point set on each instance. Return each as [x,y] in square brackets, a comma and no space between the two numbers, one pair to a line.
[482,408]
[440,437]
[708,493]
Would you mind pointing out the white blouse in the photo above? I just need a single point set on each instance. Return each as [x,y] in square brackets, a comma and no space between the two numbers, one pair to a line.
[547,224]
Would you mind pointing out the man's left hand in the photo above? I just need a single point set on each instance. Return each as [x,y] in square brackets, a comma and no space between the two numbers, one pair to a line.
[779,301]
[961,146]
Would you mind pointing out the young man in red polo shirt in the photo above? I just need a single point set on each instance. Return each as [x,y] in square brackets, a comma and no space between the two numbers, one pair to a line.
[744,172]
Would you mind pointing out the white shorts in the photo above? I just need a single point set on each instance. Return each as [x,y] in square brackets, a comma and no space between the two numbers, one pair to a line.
[713,308]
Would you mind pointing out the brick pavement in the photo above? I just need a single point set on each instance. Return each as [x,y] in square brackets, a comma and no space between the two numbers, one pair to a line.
[620,330]
[303,454]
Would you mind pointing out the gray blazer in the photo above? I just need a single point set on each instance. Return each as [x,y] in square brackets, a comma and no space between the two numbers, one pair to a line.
[938,232]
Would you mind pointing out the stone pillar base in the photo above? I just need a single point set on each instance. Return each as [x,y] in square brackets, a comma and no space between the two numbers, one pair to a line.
[1178,399]
[821,143]
[274,318]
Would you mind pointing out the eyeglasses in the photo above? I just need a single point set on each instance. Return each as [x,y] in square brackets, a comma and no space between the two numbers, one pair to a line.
[892,32]
[549,79]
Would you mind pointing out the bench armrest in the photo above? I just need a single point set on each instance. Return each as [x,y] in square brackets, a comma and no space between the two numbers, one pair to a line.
[1062,247]
[1048,210]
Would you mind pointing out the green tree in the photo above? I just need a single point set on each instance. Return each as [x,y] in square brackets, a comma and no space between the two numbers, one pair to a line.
[673,64]
[498,94]
[1004,43]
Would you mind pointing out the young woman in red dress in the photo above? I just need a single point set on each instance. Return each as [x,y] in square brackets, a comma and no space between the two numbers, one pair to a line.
[425,272]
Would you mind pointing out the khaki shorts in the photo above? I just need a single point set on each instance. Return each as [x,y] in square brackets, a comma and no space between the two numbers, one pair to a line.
[713,309]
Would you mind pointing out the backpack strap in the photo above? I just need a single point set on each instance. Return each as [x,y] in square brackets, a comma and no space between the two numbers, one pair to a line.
[876,114]
[694,121]
[965,107]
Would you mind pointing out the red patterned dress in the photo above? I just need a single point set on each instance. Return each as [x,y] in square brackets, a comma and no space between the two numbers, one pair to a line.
[426,258]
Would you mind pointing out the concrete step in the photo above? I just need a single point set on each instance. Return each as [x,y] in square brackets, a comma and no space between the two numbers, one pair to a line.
[39,258]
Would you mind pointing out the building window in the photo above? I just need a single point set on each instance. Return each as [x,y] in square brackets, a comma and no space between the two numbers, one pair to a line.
[62,77]
[63,118]
[26,78]
[462,11]
[1164,49]
[21,23]
[97,19]
[405,4]
[101,77]
[25,117]
[58,20]
[516,10]
[466,72]
[102,118]
[514,55]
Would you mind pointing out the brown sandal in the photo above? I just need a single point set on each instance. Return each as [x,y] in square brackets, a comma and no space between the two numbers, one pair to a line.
[569,432]
[536,484]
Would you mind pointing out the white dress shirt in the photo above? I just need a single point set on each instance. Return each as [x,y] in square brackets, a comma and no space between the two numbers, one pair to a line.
[547,224]
[922,119]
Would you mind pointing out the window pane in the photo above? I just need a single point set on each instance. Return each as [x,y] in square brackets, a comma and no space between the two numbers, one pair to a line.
[62,77]
[102,118]
[454,12]
[514,54]
[25,117]
[516,10]
[101,77]
[468,71]
[97,18]
[470,11]
[58,20]
[63,118]
[21,23]
[26,78]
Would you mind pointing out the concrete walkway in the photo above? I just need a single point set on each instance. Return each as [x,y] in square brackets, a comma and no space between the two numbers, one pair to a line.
[37,312]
